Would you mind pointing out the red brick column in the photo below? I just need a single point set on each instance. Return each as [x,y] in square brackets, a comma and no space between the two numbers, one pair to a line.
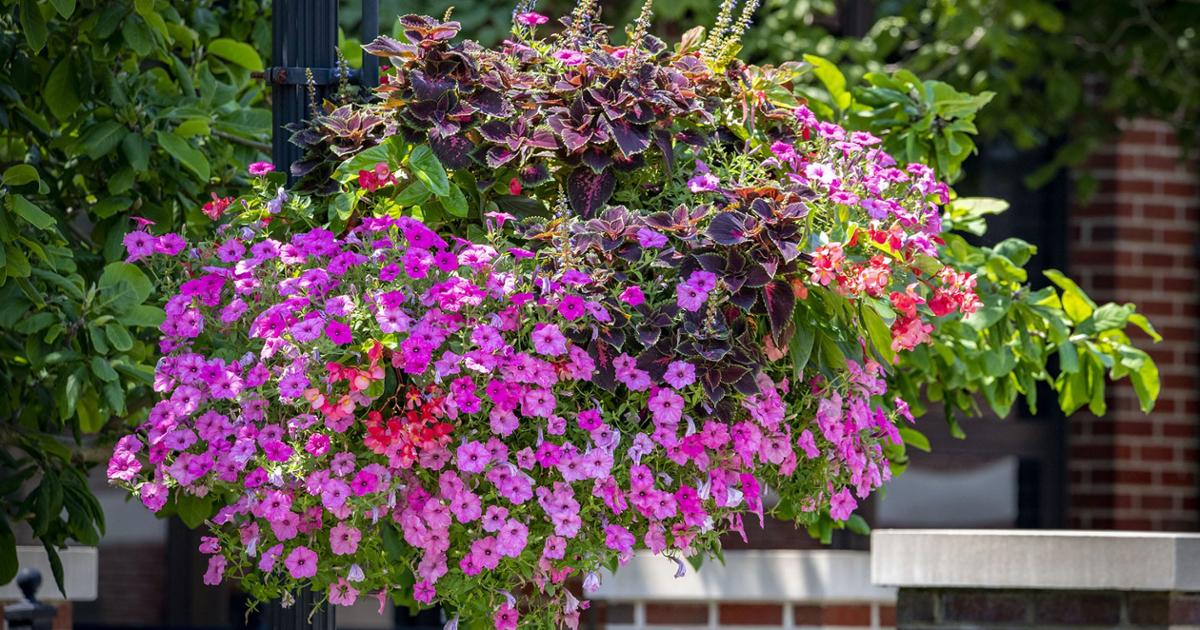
[1136,240]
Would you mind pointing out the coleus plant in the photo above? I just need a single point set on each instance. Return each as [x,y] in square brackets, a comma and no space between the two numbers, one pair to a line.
[537,308]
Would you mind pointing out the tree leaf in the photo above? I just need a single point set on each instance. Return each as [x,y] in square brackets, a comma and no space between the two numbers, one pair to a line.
[8,553]
[60,94]
[33,25]
[34,215]
[103,138]
[118,336]
[187,155]
[124,286]
[65,8]
[103,369]
[832,78]
[20,174]
[236,52]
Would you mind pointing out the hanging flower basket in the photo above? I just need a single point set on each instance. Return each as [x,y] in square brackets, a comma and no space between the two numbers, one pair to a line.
[530,310]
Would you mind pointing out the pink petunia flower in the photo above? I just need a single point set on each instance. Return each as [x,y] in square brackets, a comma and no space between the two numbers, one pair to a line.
[301,563]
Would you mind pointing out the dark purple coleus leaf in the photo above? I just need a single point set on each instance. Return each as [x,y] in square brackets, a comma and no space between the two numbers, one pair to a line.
[596,159]
[780,301]
[499,156]
[534,174]
[631,139]
[727,229]
[453,152]
[427,88]
[662,140]
[588,191]
[521,206]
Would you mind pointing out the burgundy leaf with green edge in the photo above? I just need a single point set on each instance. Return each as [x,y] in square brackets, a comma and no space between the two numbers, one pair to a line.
[780,301]
[727,228]
[630,139]
[588,191]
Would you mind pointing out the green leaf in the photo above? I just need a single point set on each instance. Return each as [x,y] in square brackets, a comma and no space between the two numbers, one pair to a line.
[1076,303]
[1139,320]
[800,346]
[33,25]
[65,8]
[60,94]
[8,553]
[413,194]
[193,510]
[138,35]
[426,167]
[1108,317]
[56,566]
[124,286]
[1145,381]
[103,369]
[455,203]
[858,525]
[114,395]
[914,438]
[880,333]
[32,214]
[20,174]
[103,138]
[363,161]
[832,78]
[144,315]
[191,158]
[118,336]
[137,151]
[236,52]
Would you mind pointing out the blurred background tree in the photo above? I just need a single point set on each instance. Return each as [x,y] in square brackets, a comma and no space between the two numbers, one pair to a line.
[109,109]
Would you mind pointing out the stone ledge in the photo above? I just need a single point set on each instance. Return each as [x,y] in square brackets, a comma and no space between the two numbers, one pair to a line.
[749,576]
[1028,559]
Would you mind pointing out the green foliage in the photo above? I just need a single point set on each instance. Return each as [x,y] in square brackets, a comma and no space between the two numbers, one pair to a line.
[1010,345]
[109,109]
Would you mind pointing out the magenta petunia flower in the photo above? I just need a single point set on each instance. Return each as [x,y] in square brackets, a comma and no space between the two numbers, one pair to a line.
[301,563]
[338,333]
[342,594]
[343,539]
[258,169]
[548,340]
[633,296]
[572,307]
[138,244]
[680,374]
[569,57]
[531,18]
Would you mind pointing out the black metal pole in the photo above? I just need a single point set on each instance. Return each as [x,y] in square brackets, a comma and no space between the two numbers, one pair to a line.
[370,30]
[304,37]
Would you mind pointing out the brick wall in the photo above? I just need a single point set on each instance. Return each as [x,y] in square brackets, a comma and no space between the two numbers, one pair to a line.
[687,615]
[963,609]
[1136,240]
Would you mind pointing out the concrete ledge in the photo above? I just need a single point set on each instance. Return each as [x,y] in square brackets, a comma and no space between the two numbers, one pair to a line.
[80,566]
[1027,559]
[750,576]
